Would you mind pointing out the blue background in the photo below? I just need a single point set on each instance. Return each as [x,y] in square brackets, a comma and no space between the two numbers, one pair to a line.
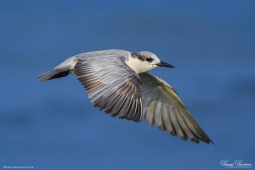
[53,125]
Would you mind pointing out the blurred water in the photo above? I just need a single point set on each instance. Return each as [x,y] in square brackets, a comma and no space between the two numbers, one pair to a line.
[53,125]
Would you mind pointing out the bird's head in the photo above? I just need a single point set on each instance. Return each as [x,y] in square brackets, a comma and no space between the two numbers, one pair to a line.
[145,61]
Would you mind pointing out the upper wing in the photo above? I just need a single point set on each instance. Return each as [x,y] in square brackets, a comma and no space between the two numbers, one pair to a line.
[163,107]
[111,85]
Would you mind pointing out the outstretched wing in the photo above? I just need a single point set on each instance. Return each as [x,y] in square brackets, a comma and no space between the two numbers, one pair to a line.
[112,85]
[163,107]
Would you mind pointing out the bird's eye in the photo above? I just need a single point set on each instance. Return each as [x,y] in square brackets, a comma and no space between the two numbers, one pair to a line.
[149,59]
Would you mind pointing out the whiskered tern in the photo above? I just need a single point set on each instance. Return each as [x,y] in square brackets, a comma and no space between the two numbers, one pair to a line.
[119,83]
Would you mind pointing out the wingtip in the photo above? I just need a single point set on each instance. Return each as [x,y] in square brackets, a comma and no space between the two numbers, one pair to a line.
[208,141]
[211,142]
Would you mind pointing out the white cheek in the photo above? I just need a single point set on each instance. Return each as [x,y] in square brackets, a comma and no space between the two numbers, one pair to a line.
[153,65]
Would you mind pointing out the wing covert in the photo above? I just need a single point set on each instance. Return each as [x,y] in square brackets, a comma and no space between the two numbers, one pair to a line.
[111,85]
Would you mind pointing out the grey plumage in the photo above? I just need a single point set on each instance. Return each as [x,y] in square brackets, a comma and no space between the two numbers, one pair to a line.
[166,110]
[117,82]
[116,92]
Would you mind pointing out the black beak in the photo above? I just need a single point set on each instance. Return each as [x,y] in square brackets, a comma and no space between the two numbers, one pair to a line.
[163,64]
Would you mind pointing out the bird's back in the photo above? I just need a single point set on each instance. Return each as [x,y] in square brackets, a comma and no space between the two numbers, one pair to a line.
[67,66]
[92,56]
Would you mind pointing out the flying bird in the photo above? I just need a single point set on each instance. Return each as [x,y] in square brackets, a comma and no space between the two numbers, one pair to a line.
[119,83]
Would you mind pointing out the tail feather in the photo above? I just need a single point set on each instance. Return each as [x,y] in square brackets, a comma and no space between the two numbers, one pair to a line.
[53,74]
[62,70]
